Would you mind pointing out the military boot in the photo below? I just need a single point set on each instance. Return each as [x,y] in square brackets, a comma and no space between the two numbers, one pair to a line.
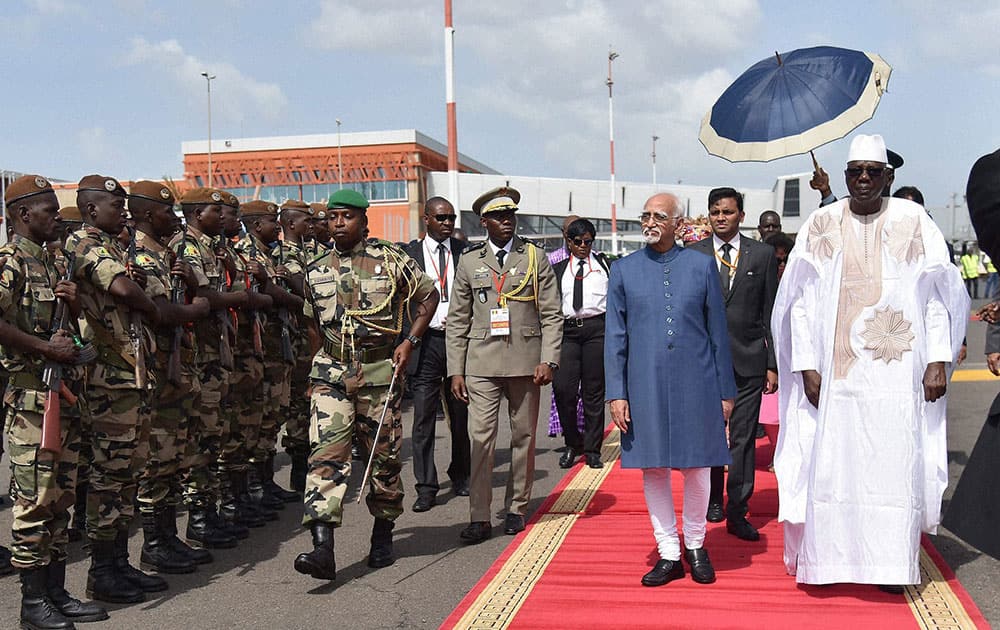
[70,607]
[78,530]
[230,508]
[37,610]
[245,504]
[319,563]
[157,554]
[168,523]
[380,555]
[202,531]
[5,566]
[234,529]
[104,583]
[300,467]
[270,487]
[257,491]
[146,583]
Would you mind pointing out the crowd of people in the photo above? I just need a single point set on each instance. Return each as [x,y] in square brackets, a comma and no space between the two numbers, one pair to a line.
[155,362]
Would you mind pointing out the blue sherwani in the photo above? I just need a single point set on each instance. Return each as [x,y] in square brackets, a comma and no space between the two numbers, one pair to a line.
[666,351]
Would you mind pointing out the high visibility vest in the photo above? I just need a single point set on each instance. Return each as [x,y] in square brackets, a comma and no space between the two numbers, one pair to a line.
[989,265]
[970,266]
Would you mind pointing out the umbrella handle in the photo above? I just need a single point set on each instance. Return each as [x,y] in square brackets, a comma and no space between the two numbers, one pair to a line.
[815,163]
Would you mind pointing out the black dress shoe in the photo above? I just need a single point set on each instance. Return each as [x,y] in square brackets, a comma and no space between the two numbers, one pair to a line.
[568,458]
[424,502]
[702,571]
[742,529]
[460,487]
[594,460]
[664,571]
[715,513]
[513,524]
[759,433]
[476,532]
[892,589]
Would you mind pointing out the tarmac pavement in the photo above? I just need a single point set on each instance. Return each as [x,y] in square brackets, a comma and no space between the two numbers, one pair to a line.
[255,586]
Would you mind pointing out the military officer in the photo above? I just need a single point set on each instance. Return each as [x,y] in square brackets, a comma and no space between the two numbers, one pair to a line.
[503,336]
[151,205]
[260,219]
[357,293]
[41,479]
[115,309]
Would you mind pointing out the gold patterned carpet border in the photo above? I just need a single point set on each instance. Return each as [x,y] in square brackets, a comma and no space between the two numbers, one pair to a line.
[933,602]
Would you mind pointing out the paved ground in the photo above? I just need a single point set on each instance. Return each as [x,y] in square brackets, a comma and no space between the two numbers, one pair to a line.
[254,586]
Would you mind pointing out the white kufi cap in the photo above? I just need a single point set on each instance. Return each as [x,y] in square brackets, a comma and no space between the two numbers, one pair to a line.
[868,149]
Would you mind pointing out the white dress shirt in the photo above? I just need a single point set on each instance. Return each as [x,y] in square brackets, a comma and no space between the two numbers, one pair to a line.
[431,269]
[734,255]
[595,288]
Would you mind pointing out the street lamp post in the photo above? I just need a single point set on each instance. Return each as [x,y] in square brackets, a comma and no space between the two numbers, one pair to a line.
[208,81]
[655,138]
[340,163]
[612,55]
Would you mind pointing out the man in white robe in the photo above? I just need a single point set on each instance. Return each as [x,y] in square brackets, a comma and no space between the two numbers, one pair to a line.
[867,323]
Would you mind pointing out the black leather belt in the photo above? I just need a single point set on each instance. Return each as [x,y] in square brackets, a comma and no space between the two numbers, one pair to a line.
[577,322]
[361,355]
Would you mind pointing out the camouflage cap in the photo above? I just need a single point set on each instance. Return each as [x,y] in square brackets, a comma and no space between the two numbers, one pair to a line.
[26,186]
[202,197]
[101,183]
[71,213]
[295,205]
[152,191]
[502,198]
[258,208]
[347,198]
[318,210]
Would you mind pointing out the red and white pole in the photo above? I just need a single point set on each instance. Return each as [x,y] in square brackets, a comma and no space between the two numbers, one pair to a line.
[612,55]
[449,90]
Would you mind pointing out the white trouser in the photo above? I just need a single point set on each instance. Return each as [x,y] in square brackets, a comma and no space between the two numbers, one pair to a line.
[660,503]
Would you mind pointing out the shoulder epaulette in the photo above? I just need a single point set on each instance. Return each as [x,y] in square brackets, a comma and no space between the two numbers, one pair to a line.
[474,246]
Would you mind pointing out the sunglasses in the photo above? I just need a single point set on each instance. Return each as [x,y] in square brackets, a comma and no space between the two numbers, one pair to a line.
[656,217]
[581,242]
[441,218]
[873,171]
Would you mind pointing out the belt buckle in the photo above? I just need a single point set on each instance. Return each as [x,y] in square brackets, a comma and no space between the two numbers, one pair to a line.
[576,322]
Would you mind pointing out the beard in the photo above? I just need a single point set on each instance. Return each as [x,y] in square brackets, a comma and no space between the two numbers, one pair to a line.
[651,235]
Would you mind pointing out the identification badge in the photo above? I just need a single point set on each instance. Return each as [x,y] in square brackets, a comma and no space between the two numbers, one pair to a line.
[499,322]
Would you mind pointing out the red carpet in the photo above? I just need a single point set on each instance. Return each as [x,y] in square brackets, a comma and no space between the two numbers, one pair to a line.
[579,562]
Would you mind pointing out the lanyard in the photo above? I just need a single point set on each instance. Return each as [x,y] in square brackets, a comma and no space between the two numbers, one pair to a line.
[731,265]
[498,283]
[442,275]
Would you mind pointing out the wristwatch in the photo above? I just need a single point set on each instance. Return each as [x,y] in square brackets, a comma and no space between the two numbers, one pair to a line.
[554,366]
[415,341]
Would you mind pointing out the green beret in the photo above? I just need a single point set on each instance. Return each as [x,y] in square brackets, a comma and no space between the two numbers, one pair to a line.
[202,197]
[296,205]
[101,183]
[347,198]
[26,186]
[258,208]
[152,191]
[70,213]
[317,210]
[503,198]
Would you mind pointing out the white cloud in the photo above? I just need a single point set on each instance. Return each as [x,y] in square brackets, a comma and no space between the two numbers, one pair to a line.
[235,95]
[377,25]
[966,34]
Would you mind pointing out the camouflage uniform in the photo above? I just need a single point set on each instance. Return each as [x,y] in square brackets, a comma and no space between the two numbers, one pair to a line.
[357,299]
[42,482]
[296,439]
[171,411]
[206,430]
[120,412]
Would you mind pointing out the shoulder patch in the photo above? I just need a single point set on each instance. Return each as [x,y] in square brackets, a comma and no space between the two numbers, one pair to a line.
[473,247]
[191,250]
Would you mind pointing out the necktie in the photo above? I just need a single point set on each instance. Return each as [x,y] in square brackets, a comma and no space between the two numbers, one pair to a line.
[578,288]
[501,254]
[443,271]
[724,268]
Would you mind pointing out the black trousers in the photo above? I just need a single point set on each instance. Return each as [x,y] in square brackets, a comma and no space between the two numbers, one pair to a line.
[742,448]
[581,373]
[426,384]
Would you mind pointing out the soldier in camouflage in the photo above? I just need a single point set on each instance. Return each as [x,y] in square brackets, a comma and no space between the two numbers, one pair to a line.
[357,294]
[41,480]
[152,207]
[260,219]
[115,311]
[320,242]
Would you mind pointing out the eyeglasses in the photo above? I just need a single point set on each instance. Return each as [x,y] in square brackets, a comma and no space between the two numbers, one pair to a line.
[581,242]
[655,217]
[441,218]
[873,171]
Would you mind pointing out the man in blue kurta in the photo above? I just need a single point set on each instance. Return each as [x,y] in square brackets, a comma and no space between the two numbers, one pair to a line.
[669,381]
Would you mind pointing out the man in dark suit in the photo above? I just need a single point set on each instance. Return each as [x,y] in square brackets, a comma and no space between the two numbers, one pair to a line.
[437,254]
[749,278]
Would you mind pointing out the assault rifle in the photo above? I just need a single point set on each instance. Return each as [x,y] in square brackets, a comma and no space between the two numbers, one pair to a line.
[52,377]
[136,331]
[178,289]
[225,322]
[286,336]
[254,287]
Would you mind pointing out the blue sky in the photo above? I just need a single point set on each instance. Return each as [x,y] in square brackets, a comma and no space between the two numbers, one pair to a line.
[114,86]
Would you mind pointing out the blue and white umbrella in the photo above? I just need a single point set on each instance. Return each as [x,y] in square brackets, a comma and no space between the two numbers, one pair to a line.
[794,102]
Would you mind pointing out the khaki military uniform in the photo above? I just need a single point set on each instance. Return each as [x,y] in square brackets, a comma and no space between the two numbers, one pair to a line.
[42,482]
[172,402]
[207,431]
[120,408]
[498,367]
[357,299]
[296,438]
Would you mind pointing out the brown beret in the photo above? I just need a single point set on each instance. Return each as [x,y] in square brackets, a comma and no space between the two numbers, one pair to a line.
[70,213]
[257,208]
[101,183]
[296,205]
[230,199]
[318,210]
[503,198]
[152,191]
[26,186]
[202,197]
